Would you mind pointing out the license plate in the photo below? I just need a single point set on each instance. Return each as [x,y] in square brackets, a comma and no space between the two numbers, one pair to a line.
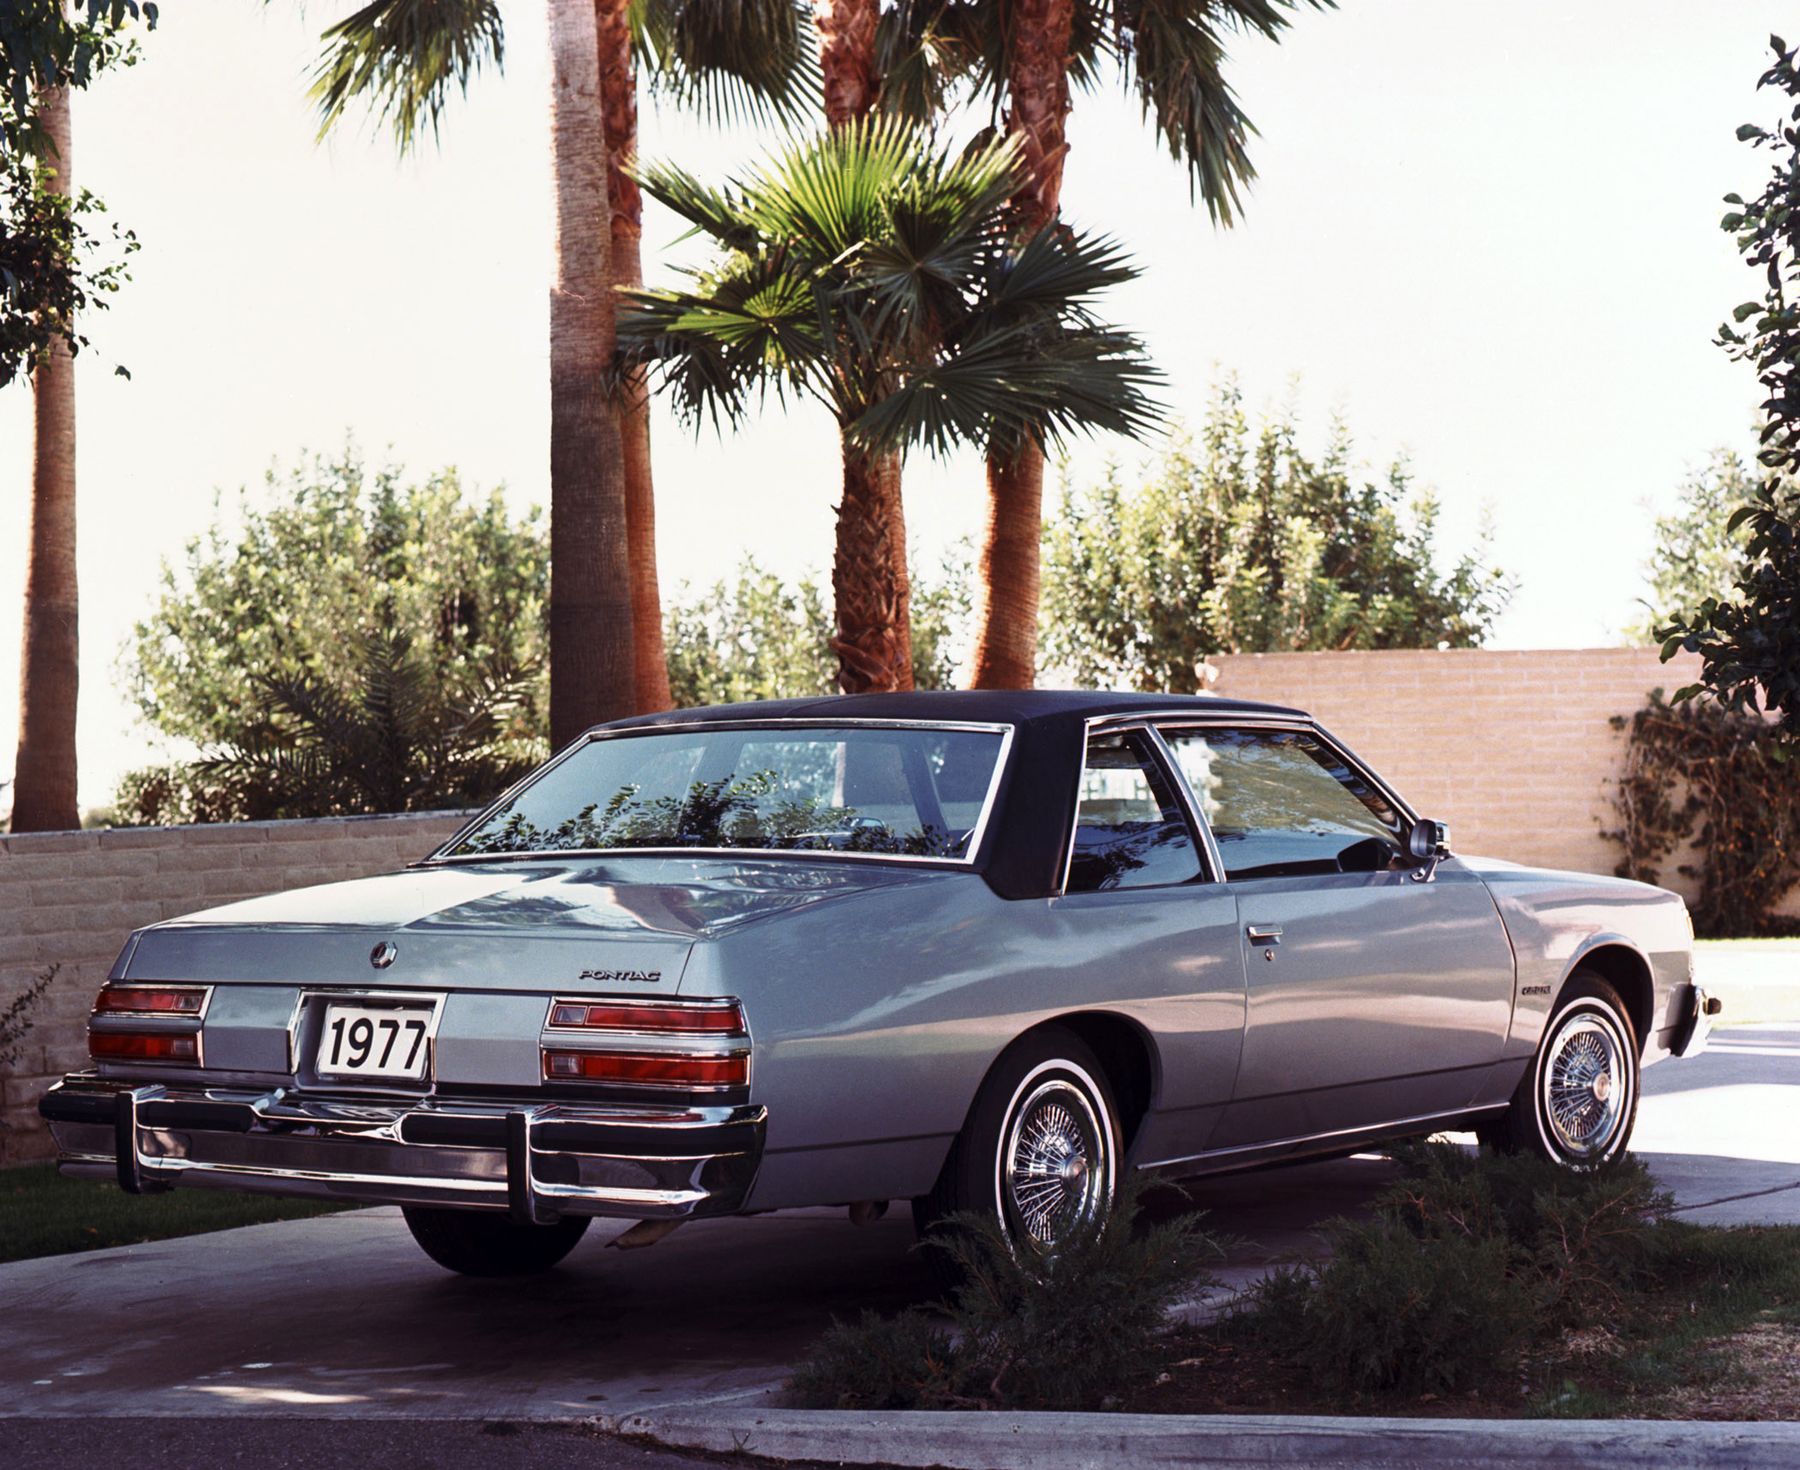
[365,1041]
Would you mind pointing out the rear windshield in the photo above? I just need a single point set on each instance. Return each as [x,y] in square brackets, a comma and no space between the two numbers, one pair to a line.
[912,792]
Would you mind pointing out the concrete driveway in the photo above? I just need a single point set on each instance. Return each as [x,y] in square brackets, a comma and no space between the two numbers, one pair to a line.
[343,1316]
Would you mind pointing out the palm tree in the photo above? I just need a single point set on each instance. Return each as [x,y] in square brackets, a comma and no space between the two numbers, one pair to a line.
[1026,54]
[44,792]
[875,273]
[735,57]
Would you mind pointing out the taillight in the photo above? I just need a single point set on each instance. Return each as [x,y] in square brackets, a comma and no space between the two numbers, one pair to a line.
[151,1000]
[684,1018]
[654,1043]
[159,1035]
[142,1046]
[648,1069]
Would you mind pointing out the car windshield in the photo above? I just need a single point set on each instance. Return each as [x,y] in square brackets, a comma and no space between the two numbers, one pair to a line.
[913,792]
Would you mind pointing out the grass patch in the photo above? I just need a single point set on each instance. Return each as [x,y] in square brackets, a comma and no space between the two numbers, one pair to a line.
[43,1214]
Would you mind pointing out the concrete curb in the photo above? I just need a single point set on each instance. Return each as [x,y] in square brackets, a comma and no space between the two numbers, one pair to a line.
[998,1441]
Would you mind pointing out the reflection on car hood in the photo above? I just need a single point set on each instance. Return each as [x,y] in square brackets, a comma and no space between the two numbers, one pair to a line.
[502,924]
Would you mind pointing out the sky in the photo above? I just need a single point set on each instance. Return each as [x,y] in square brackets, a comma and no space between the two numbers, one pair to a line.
[1486,234]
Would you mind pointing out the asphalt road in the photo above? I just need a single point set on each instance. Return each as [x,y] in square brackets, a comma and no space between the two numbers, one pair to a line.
[343,1316]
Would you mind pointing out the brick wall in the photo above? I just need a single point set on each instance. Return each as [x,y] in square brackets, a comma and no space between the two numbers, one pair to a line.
[1512,749]
[70,898]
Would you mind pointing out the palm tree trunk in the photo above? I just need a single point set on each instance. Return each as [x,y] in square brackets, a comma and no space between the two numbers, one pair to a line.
[1006,616]
[847,57]
[869,578]
[869,575]
[618,98]
[592,675]
[44,798]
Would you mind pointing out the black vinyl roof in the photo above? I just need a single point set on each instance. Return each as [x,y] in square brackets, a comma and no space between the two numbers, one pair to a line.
[985,706]
[1035,808]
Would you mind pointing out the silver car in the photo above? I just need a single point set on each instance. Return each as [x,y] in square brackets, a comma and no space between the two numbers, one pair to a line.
[977,950]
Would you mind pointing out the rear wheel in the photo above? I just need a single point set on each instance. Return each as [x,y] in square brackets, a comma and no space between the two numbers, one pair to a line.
[1577,1102]
[476,1243]
[1040,1151]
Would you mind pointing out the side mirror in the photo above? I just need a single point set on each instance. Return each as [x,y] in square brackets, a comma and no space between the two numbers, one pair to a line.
[1426,842]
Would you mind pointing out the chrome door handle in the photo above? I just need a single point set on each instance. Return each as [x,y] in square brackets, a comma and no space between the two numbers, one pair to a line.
[1263,933]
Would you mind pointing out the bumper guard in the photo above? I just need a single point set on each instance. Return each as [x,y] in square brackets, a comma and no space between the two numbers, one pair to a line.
[538,1160]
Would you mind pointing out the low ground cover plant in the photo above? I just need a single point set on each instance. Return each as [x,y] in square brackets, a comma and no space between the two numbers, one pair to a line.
[1478,1284]
[1467,1260]
[1068,1331]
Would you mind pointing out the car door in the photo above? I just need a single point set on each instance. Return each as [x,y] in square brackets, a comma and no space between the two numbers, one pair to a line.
[1377,990]
[1155,930]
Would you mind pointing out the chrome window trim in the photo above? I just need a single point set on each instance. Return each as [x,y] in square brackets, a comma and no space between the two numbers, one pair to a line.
[977,834]
[1215,862]
[1302,726]
[1159,756]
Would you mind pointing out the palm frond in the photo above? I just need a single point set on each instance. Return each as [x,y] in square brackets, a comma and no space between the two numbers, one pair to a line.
[1173,52]
[403,57]
[730,60]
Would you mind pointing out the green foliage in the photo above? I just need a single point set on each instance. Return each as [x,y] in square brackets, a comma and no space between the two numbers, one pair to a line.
[727,58]
[1066,1331]
[873,270]
[1703,773]
[15,1016]
[407,736]
[1694,557]
[352,645]
[758,637]
[1749,641]
[1170,54]
[1466,1262]
[406,55]
[1241,546]
[329,554]
[53,267]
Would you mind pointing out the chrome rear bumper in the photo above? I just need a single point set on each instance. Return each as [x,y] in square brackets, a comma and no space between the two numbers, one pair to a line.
[536,1159]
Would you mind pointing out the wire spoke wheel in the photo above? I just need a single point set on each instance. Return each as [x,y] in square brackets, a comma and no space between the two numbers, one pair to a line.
[1585,1084]
[1055,1166]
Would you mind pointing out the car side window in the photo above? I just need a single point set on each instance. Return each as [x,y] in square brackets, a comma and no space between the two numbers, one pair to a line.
[1282,802]
[1130,831]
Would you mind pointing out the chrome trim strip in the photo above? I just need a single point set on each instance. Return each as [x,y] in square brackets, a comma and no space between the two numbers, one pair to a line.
[1372,1131]
[445,853]
[1185,795]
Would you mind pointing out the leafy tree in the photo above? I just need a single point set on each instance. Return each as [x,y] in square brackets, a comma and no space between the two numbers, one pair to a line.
[873,271]
[276,617]
[758,637]
[52,266]
[1693,556]
[1749,641]
[1242,545]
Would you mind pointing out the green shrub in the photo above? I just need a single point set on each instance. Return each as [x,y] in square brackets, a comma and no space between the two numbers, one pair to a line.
[1392,1311]
[1067,1331]
[1468,1259]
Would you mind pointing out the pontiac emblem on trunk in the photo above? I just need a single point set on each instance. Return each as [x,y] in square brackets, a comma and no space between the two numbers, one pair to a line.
[383,955]
[623,977]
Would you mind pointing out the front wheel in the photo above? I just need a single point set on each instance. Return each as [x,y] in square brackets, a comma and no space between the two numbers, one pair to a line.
[1577,1102]
[1039,1154]
[475,1243]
